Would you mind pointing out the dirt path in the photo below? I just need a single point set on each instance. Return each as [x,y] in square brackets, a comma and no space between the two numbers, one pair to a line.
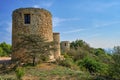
[5,60]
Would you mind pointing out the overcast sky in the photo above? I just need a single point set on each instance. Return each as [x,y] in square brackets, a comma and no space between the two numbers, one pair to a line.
[95,21]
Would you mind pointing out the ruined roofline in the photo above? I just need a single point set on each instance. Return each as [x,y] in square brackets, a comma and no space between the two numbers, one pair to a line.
[55,33]
[31,8]
[65,41]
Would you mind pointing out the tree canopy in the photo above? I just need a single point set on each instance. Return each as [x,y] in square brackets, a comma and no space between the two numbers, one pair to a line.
[37,47]
[5,49]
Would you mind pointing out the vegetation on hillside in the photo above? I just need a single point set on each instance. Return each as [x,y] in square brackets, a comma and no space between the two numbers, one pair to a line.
[114,67]
[96,61]
[81,62]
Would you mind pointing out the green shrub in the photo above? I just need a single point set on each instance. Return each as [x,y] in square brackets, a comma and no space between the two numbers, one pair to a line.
[68,62]
[90,64]
[20,72]
[114,67]
[99,78]
[1,78]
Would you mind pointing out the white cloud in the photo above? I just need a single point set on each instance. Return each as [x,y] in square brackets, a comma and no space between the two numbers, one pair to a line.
[103,43]
[57,21]
[105,24]
[43,4]
[48,4]
[93,36]
[73,31]
[36,6]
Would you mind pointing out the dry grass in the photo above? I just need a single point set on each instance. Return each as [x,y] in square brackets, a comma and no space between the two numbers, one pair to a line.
[48,71]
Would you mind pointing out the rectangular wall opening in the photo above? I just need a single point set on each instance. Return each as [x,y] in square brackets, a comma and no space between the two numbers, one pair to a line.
[27,18]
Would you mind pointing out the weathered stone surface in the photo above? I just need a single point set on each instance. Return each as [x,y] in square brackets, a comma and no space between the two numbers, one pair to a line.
[56,38]
[65,46]
[40,24]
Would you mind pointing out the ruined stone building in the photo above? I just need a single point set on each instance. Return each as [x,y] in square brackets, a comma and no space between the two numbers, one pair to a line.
[65,46]
[33,21]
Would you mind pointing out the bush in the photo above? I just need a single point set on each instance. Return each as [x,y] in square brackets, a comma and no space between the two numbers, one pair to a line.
[78,54]
[20,72]
[1,78]
[114,69]
[90,64]
[68,62]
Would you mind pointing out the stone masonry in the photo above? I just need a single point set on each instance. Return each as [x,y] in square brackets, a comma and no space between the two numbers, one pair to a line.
[36,21]
[56,38]
[65,46]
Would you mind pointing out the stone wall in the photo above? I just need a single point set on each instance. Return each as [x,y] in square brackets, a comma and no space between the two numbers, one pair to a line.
[40,24]
[56,38]
[65,46]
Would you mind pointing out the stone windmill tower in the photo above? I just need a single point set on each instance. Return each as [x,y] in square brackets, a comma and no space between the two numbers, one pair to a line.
[33,21]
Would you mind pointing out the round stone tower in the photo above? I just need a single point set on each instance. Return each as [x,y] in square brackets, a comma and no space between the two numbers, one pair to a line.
[29,21]
[56,38]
